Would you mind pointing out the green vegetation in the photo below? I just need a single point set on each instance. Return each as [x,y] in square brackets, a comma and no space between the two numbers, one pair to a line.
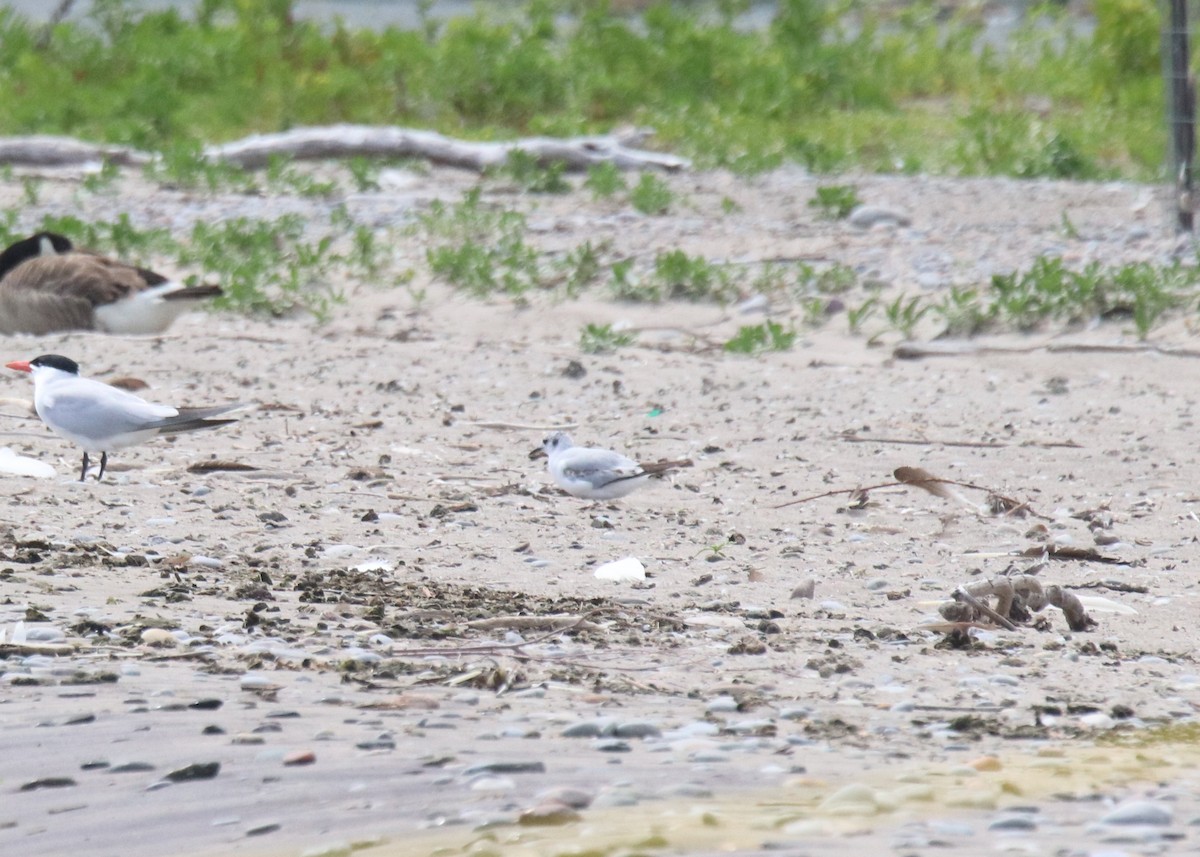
[831,85]
[1049,291]
[524,169]
[692,278]
[602,338]
[836,201]
[651,195]
[756,338]
[266,266]
[480,249]
[604,180]
[828,84]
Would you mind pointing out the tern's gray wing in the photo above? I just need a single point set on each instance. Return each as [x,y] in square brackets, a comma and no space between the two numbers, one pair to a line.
[193,419]
[597,466]
[84,416]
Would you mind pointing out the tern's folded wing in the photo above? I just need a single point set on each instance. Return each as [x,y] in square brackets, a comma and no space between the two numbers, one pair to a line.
[597,465]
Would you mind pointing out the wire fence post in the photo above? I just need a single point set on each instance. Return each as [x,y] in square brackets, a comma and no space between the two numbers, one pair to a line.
[1181,109]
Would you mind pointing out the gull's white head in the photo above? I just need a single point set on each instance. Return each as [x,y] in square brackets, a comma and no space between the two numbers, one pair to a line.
[557,442]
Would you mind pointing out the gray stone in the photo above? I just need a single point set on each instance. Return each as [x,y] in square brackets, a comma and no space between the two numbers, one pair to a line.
[1139,812]
[870,216]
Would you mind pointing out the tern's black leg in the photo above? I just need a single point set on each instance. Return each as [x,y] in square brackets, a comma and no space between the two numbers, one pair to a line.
[103,464]
[83,473]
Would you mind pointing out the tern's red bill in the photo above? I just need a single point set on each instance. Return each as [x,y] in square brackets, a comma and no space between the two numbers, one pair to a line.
[19,365]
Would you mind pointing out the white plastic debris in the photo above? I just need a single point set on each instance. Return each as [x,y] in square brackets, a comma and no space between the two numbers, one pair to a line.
[1098,604]
[374,565]
[625,570]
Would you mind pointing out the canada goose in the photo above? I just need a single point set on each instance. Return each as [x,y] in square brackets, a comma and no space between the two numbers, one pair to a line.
[46,285]
[100,418]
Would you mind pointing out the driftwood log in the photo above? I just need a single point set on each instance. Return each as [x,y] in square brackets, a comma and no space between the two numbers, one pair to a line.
[1016,597]
[347,141]
[44,150]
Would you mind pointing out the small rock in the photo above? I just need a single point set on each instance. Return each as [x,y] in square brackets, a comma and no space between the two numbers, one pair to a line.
[755,303]
[300,757]
[807,589]
[131,768]
[1013,822]
[199,771]
[870,216]
[548,814]
[574,798]
[507,768]
[574,370]
[494,784]
[47,783]
[1139,812]
[613,746]
[588,729]
[159,637]
[378,744]
[263,829]
[748,645]
[636,729]
[722,705]
[985,763]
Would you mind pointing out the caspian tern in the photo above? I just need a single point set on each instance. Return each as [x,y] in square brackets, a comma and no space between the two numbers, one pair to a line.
[101,418]
[596,474]
[47,285]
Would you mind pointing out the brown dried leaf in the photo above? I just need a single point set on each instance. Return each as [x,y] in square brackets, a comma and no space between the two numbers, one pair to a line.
[1072,553]
[128,383]
[213,465]
[923,479]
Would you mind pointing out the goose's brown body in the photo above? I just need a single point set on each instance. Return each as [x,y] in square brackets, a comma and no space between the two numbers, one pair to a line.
[46,286]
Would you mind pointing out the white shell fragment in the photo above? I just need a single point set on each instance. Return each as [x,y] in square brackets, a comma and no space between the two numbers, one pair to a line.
[23,465]
[624,570]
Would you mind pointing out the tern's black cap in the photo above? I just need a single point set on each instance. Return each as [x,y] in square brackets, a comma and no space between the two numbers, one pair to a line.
[56,361]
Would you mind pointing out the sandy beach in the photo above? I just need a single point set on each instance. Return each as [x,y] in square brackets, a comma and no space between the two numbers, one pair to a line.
[388,635]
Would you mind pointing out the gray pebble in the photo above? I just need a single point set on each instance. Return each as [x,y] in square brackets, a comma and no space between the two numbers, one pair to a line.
[567,796]
[695,729]
[755,303]
[1139,812]
[635,729]
[951,828]
[688,790]
[507,768]
[878,584]
[806,589]
[131,768]
[378,744]
[263,829]
[746,727]
[613,746]
[870,216]
[615,797]
[587,729]
[1013,822]
[722,705]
